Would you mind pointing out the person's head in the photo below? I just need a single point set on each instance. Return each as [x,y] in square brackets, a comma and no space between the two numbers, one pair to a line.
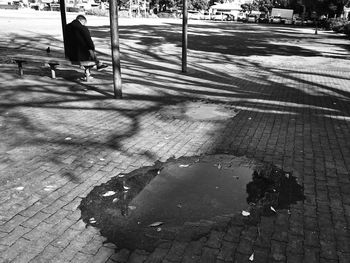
[81,19]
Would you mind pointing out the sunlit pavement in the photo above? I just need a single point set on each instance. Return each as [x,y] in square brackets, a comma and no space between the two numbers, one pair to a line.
[60,138]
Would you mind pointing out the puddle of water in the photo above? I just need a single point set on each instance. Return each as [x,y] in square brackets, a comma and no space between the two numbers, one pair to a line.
[179,191]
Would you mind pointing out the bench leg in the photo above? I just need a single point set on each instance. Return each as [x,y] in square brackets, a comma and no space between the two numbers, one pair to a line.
[20,67]
[87,73]
[53,70]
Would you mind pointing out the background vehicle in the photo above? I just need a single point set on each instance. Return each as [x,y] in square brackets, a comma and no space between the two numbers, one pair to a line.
[263,18]
[252,19]
[241,17]
[283,14]
[206,16]
[193,14]
[220,16]
[275,20]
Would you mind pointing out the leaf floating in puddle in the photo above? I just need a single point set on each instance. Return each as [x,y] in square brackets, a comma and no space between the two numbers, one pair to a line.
[132,207]
[156,224]
[126,187]
[19,188]
[109,193]
[92,220]
[273,209]
[245,213]
[115,200]
[49,188]
[184,165]
[251,258]
[68,138]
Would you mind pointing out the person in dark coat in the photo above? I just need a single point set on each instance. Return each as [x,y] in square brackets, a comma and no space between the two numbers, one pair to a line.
[78,43]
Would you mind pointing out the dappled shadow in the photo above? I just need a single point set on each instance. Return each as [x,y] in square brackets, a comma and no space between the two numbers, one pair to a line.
[151,67]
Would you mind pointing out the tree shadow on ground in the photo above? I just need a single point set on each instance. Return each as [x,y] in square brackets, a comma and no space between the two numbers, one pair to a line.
[249,86]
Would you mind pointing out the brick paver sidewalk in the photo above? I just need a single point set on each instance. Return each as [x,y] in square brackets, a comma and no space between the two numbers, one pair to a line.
[58,141]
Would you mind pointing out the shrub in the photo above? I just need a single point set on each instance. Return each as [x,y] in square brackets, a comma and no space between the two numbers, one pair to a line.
[97,12]
[336,24]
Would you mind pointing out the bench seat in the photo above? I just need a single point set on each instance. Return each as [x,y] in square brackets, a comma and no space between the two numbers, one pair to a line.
[52,61]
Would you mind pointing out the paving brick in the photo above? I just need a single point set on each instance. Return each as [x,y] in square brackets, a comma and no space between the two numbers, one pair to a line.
[12,223]
[122,256]
[14,250]
[47,254]
[11,238]
[209,255]
[35,220]
[245,247]
[226,251]
[278,251]
[176,251]
[311,255]
[214,240]
[138,256]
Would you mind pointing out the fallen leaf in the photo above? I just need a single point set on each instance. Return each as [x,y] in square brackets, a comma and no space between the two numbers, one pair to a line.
[19,188]
[219,166]
[156,224]
[121,175]
[126,187]
[115,200]
[273,209]
[287,175]
[102,159]
[109,193]
[92,220]
[68,138]
[49,188]
[159,229]
[132,207]
[184,165]
[245,213]
[251,258]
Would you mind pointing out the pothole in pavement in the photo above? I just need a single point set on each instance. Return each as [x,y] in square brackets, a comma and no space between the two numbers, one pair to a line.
[139,209]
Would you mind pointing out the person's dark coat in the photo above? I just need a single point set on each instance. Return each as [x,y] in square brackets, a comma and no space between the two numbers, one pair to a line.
[78,42]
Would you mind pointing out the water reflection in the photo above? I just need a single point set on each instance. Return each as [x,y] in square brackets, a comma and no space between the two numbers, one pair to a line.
[183,190]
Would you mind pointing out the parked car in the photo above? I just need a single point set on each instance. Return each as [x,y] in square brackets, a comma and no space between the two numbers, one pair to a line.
[263,18]
[220,16]
[298,21]
[241,17]
[275,20]
[193,14]
[252,19]
[287,21]
[206,16]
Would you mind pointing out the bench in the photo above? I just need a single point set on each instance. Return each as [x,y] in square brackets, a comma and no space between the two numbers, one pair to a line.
[53,62]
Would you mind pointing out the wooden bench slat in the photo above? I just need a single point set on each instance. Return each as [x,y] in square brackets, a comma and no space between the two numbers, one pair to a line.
[49,60]
[52,61]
